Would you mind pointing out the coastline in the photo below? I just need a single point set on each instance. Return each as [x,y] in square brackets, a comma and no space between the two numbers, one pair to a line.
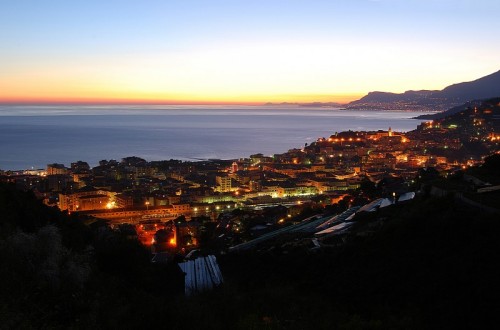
[68,134]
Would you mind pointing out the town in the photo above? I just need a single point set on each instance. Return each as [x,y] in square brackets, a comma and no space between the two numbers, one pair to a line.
[173,205]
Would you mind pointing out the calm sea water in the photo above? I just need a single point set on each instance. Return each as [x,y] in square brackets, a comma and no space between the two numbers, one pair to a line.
[34,136]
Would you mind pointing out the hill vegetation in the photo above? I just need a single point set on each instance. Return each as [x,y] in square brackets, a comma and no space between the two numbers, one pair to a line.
[427,263]
[59,271]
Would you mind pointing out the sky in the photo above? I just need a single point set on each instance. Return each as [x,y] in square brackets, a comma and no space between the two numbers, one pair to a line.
[186,51]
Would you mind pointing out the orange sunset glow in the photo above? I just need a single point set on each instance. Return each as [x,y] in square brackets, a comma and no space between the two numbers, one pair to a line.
[174,54]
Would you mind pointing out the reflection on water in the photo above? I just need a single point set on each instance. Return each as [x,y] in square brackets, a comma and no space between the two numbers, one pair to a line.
[38,135]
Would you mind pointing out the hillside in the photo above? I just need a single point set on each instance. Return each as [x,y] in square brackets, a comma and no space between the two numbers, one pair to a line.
[451,96]
[425,263]
[490,108]
[427,266]
[64,272]
[451,111]
[482,88]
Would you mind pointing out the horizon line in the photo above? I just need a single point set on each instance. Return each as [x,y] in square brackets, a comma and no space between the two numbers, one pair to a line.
[146,102]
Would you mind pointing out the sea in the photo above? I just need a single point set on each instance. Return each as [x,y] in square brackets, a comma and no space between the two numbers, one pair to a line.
[33,136]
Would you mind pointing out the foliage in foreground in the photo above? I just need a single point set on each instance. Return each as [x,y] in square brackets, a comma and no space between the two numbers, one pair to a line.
[431,264]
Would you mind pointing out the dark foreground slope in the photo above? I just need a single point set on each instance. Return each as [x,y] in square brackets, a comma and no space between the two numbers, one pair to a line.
[58,272]
[432,263]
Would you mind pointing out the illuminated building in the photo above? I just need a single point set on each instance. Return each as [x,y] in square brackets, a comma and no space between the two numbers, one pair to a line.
[223,183]
[234,167]
[87,198]
[53,169]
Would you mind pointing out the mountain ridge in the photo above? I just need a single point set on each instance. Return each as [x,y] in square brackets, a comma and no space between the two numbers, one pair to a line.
[437,100]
